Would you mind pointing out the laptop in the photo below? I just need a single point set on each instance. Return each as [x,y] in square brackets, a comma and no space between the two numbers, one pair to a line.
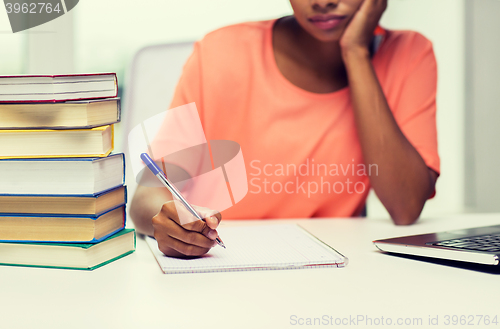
[480,245]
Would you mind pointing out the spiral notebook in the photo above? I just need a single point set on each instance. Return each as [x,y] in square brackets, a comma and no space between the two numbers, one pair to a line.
[250,248]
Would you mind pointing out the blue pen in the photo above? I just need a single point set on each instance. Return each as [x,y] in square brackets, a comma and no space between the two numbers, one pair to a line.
[161,176]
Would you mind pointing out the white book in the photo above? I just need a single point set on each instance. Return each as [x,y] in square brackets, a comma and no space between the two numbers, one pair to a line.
[57,88]
[63,176]
[264,247]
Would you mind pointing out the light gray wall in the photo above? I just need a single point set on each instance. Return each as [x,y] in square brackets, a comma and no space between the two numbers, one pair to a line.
[482,153]
[442,22]
[50,47]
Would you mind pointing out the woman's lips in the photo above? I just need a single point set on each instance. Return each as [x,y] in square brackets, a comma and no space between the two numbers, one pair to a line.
[326,22]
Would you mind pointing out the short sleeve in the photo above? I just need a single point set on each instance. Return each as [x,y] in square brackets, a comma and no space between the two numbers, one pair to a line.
[415,111]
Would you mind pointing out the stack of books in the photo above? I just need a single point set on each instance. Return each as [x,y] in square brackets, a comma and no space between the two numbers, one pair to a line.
[62,193]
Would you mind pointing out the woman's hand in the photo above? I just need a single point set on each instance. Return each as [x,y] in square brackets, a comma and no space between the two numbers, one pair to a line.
[180,234]
[359,32]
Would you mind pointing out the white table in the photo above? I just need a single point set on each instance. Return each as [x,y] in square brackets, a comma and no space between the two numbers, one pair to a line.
[134,293]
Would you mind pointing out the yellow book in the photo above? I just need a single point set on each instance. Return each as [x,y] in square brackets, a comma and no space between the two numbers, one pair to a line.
[94,142]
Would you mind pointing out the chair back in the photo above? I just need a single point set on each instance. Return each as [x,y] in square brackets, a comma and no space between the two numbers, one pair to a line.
[149,89]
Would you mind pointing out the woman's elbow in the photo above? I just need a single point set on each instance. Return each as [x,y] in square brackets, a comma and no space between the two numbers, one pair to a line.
[407,211]
[406,215]
[405,219]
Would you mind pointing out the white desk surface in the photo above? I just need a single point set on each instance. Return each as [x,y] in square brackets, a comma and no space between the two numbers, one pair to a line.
[134,293]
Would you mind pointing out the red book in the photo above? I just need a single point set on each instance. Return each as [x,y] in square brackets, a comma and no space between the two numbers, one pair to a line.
[57,88]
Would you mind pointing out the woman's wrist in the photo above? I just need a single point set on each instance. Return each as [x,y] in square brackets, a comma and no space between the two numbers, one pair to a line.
[353,54]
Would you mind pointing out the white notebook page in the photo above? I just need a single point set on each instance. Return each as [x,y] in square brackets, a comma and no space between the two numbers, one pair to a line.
[256,248]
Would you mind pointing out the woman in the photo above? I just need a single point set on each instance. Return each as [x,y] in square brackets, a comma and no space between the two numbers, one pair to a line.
[315,89]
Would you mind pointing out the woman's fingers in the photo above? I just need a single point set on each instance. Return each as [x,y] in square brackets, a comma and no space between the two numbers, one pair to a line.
[190,237]
[212,217]
[170,236]
[179,214]
[176,211]
[178,232]
[176,248]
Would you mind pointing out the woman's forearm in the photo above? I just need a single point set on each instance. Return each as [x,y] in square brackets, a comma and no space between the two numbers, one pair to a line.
[404,182]
[147,202]
[150,196]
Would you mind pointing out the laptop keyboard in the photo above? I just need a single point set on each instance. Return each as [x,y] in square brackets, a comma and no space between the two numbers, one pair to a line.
[488,243]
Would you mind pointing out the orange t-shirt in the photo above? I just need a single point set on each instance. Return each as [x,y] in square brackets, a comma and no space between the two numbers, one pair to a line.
[301,149]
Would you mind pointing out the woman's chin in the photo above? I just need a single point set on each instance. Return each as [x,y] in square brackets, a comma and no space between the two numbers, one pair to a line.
[333,35]
[327,36]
